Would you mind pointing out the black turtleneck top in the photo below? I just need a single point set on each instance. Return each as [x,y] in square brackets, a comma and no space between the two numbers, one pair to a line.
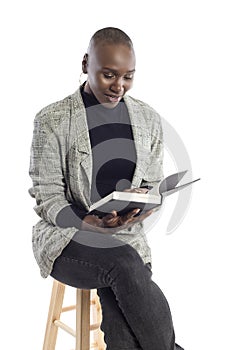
[113,154]
[113,149]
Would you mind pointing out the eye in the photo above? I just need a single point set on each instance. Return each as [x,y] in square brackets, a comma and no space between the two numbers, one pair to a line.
[129,77]
[108,76]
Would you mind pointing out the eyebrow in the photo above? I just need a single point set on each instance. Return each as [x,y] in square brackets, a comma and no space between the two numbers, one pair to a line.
[115,71]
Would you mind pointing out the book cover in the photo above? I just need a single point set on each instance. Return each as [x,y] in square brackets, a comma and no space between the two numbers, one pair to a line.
[124,202]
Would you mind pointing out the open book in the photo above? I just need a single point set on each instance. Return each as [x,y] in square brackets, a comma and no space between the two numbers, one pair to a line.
[124,202]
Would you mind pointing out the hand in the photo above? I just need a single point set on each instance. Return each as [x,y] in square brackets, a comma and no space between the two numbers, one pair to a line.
[112,222]
[137,190]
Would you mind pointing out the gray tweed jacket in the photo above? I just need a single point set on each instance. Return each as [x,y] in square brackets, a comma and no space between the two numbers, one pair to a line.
[61,171]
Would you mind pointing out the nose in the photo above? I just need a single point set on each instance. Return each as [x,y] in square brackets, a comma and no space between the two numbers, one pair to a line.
[117,86]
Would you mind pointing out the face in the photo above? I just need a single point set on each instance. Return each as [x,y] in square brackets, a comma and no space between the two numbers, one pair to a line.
[110,70]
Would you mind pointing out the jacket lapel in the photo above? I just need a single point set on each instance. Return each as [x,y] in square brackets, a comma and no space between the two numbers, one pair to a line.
[142,138]
[84,153]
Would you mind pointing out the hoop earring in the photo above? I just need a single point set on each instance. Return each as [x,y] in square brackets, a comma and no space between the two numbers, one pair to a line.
[81,79]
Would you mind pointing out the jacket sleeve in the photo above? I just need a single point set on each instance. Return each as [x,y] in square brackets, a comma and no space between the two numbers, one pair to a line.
[47,164]
[70,216]
[154,173]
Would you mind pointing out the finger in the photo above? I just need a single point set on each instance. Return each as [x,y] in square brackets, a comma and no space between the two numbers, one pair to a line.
[144,215]
[142,190]
[111,215]
[112,224]
[139,218]
[110,219]
[124,219]
[131,214]
[137,190]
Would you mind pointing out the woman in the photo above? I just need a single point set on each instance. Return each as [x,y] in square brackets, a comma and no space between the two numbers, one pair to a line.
[95,141]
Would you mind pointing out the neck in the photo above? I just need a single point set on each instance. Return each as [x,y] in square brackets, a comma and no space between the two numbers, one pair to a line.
[87,89]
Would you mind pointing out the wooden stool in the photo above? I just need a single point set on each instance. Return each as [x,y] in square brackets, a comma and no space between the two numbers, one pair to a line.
[86,301]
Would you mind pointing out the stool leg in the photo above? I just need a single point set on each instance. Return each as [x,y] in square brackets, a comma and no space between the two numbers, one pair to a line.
[99,336]
[54,313]
[82,319]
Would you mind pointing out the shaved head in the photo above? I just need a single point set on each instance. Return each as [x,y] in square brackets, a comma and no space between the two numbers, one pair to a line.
[110,35]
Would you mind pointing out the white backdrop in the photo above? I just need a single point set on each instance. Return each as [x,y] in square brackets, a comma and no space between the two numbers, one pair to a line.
[184,70]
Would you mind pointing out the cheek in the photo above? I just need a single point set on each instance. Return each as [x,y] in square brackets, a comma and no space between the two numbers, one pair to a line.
[128,85]
[101,82]
[95,81]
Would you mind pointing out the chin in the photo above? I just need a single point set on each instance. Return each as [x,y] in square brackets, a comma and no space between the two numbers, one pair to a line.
[109,105]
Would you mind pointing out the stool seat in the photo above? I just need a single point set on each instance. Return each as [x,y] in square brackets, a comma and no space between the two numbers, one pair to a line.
[87,308]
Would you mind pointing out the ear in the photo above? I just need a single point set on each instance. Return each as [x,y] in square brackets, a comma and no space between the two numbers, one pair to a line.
[84,63]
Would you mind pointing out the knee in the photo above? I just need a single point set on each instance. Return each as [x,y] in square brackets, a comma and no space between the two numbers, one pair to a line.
[129,260]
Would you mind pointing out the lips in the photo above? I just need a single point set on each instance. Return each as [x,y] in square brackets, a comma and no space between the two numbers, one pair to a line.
[113,98]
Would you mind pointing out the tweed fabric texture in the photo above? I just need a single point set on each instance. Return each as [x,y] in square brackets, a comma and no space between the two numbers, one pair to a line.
[61,171]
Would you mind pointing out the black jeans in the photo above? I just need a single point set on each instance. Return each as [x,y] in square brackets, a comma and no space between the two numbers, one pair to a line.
[136,314]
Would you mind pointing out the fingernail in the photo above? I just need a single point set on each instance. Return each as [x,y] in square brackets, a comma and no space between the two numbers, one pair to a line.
[138,210]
